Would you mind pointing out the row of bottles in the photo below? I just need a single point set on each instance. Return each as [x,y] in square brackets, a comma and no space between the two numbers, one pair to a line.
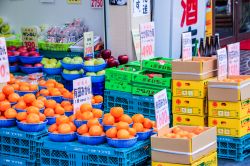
[211,46]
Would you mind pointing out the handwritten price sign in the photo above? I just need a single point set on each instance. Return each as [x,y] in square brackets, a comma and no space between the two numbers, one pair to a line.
[96,3]
[30,37]
[88,44]
[137,42]
[4,62]
[222,63]
[233,59]
[147,35]
[186,46]
[161,109]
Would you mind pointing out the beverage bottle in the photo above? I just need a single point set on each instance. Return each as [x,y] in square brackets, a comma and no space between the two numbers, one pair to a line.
[207,48]
[201,48]
[212,46]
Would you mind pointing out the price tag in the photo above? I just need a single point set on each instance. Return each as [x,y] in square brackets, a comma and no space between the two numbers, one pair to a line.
[141,8]
[137,42]
[30,37]
[147,35]
[4,62]
[74,1]
[97,3]
[82,89]
[186,46]
[161,109]
[88,44]
[222,63]
[233,59]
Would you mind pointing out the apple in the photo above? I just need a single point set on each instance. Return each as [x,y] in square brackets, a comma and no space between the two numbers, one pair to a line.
[38,65]
[22,50]
[99,73]
[106,54]
[112,63]
[34,53]
[31,49]
[99,61]
[90,74]
[66,71]
[123,59]
[89,63]
[24,54]
[16,53]
[58,65]
[11,48]
[78,60]
[150,75]
[23,47]
[49,66]
[53,61]
[10,53]
[81,71]
[45,61]
[67,60]
[74,72]
[27,65]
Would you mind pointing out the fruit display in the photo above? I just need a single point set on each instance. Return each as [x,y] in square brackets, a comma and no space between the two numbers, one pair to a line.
[75,60]
[97,101]
[51,63]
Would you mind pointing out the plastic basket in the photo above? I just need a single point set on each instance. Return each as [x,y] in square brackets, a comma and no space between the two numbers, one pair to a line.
[14,42]
[30,70]
[32,127]
[7,122]
[66,99]
[15,142]
[74,153]
[155,66]
[22,93]
[95,68]
[122,143]
[69,113]
[6,160]
[118,86]
[58,99]
[30,60]
[71,77]
[13,59]
[58,78]
[52,71]
[97,106]
[51,120]
[14,69]
[54,46]
[59,54]
[62,137]
[71,66]
[91,140]
[144,135]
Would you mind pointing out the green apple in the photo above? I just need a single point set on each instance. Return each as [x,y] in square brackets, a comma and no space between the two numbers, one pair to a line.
[74,72]
[58,65]
[89,63]
[5,28]
[44,61]
[66,71]
[49,66]
[1,20]
[67,60]
[99,73]
[90,74]
[81,71]
[53,61]
[99,61]
[78,59]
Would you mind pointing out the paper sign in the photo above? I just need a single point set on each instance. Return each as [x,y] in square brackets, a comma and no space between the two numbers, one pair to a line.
[186,46]
[222,63]
[88,44]
[147,35]
[30,37]
[4,62]
[233,59]
[82,89]
[96,3]
[161,109]
[137,42]
[74,1]
[141,8]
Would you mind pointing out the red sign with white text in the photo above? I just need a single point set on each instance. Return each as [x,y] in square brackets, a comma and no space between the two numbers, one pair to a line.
[97,3]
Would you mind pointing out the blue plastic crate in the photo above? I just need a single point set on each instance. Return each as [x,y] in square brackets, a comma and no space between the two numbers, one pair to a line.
[58,78]
[18,143]
[15,161]
[74,153]
[233,148]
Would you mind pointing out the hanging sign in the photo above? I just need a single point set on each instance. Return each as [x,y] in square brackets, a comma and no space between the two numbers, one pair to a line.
[82,89]
[30,37]
[137,42]
[222,63]
[141,8]
[161,109]
[97,3]
[88,44]
[4,62]
[233,59]
[186,46]
[74,1]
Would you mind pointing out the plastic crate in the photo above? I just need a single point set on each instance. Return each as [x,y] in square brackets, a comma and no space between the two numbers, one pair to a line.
[18,143]
[15,42]
[74,153]
[15,161]
[54,46]
[118,86]
[155,66]
[58,78]
[59,54]
[233,148]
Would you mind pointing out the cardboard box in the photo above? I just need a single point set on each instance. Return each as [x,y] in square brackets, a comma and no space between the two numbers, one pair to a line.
[230,127]
[228,109]
[210,160]
[194,70]
[194,89]
[183,151]
[188,120]
[189,106]
[229,91]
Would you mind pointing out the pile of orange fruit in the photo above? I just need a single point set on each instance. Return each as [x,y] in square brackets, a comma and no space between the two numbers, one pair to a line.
[116,115]
[97,99]
[63,125]
[184,134]
[8,94]
[92,128]
[30,102]
[87,112]
[141,124]
[121,131]
[32,116]
[21,85]
[10,113]
[54,109]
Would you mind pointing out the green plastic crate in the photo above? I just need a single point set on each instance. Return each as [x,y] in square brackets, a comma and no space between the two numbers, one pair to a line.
[15,42]
[54,46]
[142,78]
[59,54]
[154,65]
[135,63]
[118,85]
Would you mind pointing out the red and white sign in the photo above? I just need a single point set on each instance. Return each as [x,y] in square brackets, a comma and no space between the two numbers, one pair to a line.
[147,35]
[161,109]
[30,37]
[97,3]
[4,62]
[222,63]
[233,59]
[186,46]
[88,44]
[82,89]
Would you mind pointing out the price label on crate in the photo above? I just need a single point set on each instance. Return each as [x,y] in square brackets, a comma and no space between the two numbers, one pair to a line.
[97,3]
[30,37]
[147,36]
[161,109]
[222,63]
[233,59]
[186,46]
[82,89]
[88,44]
[4,62]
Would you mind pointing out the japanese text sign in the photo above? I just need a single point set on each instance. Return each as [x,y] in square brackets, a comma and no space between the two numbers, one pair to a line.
[137,42]
[222,63]
[88,44]
[186,46]
[82,89]
[233,59]
[96,3]
[141,8]
[4,62]
[30,37]
[147,36]
[161,109]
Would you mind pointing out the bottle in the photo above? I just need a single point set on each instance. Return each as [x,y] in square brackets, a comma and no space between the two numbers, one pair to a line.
[212,46]
[217,42]
[207,48]
[201,48]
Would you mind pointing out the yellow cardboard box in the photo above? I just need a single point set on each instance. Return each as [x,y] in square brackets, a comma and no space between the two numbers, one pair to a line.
[228,109]
[210,160]
[195,89]
[230,127]
[189,106]
[188,120]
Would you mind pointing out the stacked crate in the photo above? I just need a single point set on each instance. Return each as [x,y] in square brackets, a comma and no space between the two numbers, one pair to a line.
[228,109]
[189,104]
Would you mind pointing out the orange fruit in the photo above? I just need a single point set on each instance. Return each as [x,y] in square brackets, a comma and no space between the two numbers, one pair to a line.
[72,118]
[4,105]
[41,98]
[44,92]
[67,95]
[65,103]
[93,101]
[72,126]
[138,118]
[14,97]
[59,110]
[7,90]
[68,108]
[59,86]
[42,117]
[32,109]
[49,112]
[64,128]
[93,122]
[147,123]
[86,108]
[126,118]
[12,80]
[82,129]
[117,112]
[97,113]
[2,96]
[29,98]
[176,130]
[62,119]
[2,118]
[24,88]
[33,118]
[21,116]
[49,85]
[10,113]
[55,93]
[111,133]
[138,127]
[98,99]
[53,128]
[15,86]
[38,103]
[95,131]
[78,115]
[123,134]
[33,87]
[42,83]
[122,125]
[108,120]
[63,90]
[20,105]
[87,116]
[132,131]
[50,104]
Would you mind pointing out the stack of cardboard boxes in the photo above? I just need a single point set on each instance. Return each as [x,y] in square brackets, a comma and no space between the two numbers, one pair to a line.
[189,103]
